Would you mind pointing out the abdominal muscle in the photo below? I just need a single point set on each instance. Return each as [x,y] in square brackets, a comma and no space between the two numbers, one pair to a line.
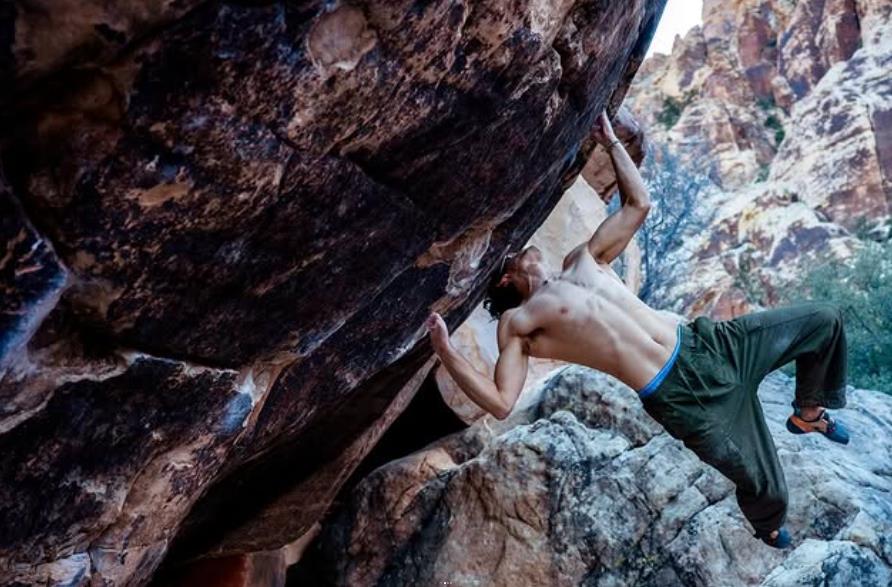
[602,325]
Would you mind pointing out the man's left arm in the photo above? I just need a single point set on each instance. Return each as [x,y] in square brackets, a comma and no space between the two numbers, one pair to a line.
[615,232]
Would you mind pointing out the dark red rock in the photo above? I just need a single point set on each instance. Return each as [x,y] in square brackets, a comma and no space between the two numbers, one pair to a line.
[31,279]
[821,33]
[258,205]
[265,569]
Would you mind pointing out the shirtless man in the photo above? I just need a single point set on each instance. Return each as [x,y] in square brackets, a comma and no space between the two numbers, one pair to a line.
[697,378]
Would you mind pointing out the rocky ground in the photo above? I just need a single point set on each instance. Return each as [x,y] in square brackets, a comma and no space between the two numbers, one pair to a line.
[581,487]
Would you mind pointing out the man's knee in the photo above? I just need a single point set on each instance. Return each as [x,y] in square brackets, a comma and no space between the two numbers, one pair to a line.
[828,313]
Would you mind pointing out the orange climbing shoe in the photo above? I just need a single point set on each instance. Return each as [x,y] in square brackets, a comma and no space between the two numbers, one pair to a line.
[823,424]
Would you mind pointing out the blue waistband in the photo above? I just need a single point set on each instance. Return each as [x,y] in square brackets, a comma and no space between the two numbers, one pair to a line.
[654,383]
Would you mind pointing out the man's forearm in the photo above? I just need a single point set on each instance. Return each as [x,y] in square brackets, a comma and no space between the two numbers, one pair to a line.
[479,388]
[632,190]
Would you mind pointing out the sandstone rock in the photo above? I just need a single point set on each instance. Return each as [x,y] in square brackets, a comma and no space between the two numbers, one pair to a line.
[255,206]
[582,487]
[787,105]
[836,160]
[266,569]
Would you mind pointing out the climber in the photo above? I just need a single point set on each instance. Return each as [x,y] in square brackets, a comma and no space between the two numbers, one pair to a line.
[697,378]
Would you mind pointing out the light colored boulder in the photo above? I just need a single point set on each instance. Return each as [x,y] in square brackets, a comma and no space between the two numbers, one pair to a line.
[582,487]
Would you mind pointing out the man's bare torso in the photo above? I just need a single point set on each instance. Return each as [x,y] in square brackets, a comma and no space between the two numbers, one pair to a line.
[587,315]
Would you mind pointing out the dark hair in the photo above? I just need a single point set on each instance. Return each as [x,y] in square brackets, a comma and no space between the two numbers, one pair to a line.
[501,297]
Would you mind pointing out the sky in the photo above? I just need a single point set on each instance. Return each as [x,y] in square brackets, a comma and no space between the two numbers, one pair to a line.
[678,18]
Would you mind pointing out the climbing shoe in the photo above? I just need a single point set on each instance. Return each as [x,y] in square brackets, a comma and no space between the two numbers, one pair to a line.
[823,424]
[782,540]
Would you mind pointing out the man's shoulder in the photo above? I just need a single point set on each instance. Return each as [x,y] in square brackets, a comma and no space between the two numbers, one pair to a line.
[577,253]
[574,254]
[507,326]
[506,318]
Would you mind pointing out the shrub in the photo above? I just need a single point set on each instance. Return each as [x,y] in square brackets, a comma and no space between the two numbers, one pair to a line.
[862,287]
[766,103]
[671,112]
[764,170]
[774,123]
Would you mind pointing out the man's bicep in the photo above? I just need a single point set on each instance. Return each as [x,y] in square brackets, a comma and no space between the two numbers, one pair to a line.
[615,232]
[511,370]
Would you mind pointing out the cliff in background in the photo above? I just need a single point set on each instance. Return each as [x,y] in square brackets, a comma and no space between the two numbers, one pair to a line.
[788,107]
[223,226]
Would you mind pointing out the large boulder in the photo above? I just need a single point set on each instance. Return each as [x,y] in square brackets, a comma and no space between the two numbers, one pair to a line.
[581,486]
[226,224]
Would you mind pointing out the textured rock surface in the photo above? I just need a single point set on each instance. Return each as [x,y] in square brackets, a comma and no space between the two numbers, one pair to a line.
[31,279]
[251,209]
[598,171]
[582,487]
[787,106]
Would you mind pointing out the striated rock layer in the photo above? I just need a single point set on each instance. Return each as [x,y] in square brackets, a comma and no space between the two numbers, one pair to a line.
[583,487]
[787,105]
[224,225]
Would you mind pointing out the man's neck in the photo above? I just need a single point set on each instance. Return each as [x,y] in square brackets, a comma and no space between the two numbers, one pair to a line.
[538,282]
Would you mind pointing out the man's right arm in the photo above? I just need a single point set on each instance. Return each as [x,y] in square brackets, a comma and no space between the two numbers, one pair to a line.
[496,397]
[617,230]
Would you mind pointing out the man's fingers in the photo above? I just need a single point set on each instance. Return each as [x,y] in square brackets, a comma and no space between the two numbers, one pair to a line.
[431,321]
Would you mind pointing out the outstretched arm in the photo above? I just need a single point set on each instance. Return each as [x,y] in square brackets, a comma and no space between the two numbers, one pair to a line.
[496,397]
[617,230]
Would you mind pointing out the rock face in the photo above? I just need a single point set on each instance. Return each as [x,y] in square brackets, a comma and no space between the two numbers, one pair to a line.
[582,487]
[789,103]
[224,225]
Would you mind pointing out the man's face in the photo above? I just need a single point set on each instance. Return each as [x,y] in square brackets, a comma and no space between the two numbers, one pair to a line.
[520,262]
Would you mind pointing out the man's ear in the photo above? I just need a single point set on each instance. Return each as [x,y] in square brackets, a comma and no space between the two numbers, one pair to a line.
[505,280]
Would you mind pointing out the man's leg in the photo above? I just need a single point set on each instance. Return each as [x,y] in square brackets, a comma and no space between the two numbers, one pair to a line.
[747,456]
[812,334]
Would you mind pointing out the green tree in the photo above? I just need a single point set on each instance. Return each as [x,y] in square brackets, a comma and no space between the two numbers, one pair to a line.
[862,287]
[671,112]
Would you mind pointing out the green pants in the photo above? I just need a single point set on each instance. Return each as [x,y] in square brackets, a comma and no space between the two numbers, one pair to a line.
[708,399]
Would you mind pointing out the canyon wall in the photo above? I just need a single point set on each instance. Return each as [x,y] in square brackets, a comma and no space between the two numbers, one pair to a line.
[787,106]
